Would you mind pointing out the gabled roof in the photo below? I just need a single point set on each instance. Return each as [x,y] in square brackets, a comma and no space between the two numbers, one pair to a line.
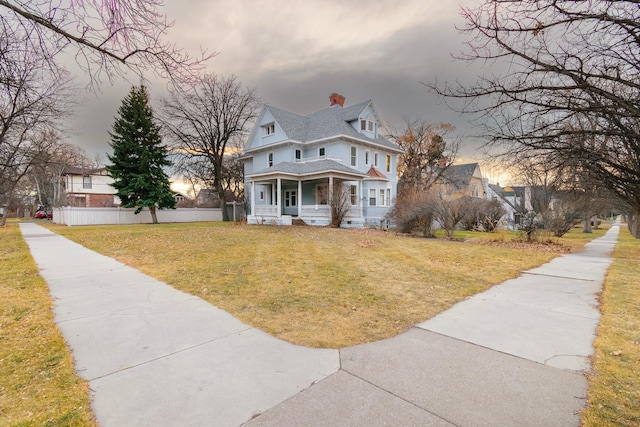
[307,168]
[329,122]
[72,170]
[375,173]
[504,192]
[460,175]
[293,125]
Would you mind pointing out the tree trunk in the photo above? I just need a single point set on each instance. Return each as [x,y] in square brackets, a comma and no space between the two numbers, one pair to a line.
[154,217]
[3,218]
[223,202]
[633,223]
[586,227]
[428,226]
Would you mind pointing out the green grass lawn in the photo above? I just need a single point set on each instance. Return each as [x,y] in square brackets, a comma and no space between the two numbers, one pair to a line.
[319,287]
[313,286]
[38,386]
[614,383]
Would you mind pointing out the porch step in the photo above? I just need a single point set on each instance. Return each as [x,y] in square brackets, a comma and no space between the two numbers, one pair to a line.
[297,221]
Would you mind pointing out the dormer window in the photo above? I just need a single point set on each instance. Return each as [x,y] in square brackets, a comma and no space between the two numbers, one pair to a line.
[269,129]
[368,125]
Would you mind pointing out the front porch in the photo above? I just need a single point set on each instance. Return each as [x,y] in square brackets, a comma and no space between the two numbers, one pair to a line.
[281,201]
[310,215]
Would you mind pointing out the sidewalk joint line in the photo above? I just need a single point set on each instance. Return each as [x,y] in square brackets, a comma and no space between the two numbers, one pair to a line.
[170,354]
[494,349]
[399,397]
[557,277]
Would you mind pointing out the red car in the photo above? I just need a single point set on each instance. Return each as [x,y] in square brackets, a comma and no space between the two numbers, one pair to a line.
[44,214]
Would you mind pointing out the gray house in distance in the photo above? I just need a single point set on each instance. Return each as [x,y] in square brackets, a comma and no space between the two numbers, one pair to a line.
[293,162]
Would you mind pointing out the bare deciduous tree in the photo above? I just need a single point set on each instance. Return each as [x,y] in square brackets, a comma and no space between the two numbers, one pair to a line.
[565,211]
[448,211]
[481,214]
[340,202]
[33,98]
[426,158]
[204,119]
[427,152]
[50,165]
[108,36]
[571,87]
[414,211]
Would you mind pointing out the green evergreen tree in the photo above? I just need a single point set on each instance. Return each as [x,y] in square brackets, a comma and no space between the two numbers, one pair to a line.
[139,157]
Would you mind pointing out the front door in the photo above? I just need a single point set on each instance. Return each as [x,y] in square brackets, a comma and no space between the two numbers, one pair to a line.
[290,202]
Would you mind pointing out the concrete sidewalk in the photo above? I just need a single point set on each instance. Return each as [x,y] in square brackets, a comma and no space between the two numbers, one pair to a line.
[513,355]
[155,356]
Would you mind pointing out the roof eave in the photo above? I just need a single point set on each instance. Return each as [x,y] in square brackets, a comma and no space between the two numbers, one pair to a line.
[353,138]
[319,174]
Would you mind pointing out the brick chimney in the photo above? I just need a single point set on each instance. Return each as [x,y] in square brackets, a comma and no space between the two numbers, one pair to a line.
[336,98]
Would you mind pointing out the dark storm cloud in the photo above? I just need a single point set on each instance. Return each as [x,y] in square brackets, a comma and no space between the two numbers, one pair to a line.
[295,53]
[392,76]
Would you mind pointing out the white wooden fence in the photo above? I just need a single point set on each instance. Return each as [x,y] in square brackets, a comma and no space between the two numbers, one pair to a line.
[69,215]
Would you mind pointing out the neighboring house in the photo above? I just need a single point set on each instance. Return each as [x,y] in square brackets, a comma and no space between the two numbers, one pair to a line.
[510,202]
[463,180]
[207,198]
[518,200]
[182,200]
[537,198]
[293,162]
[89,187]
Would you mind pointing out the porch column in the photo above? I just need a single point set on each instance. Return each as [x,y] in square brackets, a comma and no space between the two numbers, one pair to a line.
[361,191]
[253,198]
[279,197]
[330,195]
[299,197]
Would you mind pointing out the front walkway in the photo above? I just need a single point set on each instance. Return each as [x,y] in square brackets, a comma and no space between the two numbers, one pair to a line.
[155,356]
[513,355]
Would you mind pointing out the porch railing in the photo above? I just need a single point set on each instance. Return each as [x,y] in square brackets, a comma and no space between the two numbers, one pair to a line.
[318,214]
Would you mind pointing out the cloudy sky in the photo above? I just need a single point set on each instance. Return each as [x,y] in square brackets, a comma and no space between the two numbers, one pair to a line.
[297,52]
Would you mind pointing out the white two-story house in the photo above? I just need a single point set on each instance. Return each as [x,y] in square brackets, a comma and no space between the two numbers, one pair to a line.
[89,187]
[292,164]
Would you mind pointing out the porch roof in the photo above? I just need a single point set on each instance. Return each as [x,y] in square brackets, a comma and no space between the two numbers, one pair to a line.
[304,169]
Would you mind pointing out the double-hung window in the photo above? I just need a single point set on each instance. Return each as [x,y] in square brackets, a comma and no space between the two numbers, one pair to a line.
[372,197]
[354,156]
[269,129]
[322,194]
[368,125]
[270,159]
